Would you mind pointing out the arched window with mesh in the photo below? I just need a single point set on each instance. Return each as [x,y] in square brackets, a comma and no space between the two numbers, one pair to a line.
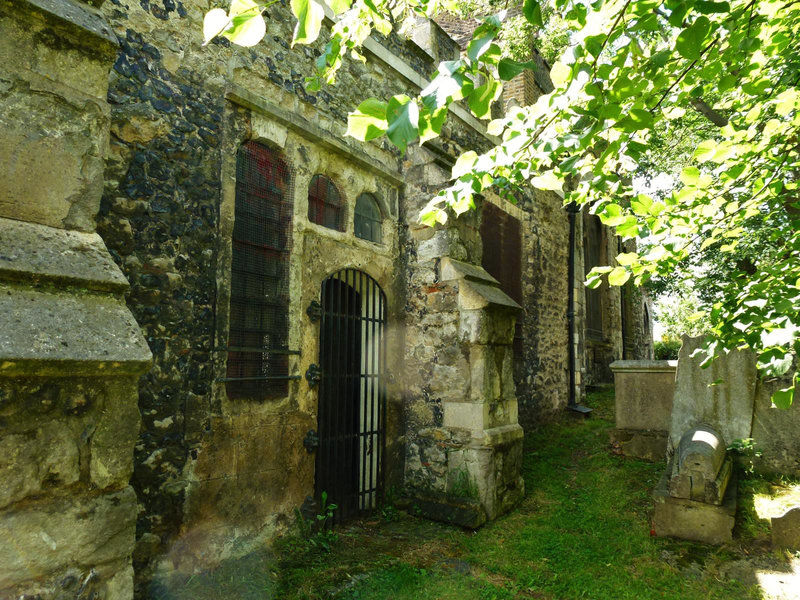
[367,221]
[325,206]
[259,303]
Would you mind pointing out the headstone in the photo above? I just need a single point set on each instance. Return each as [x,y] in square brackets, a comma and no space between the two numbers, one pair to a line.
[720,396]
[786,529]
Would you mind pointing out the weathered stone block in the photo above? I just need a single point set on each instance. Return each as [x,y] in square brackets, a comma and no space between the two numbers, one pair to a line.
[691,520]
[786,530]
[111,445]
[46,537]
[638,443]
[776,432]
[643,391]
[47,456]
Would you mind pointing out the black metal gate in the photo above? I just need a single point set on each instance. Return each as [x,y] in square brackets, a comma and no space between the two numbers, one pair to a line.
[352,394]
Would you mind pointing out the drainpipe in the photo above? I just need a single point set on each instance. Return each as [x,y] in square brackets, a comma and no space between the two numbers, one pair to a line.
[572,403]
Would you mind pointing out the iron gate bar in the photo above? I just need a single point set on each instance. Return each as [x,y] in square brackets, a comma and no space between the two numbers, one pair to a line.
[265,378]
[255,349]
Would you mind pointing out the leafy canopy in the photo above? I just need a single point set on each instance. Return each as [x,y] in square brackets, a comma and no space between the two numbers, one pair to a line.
[631,67]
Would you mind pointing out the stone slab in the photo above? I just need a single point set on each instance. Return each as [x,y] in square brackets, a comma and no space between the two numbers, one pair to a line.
[456,269]
[462,512]
[690,520]
[46,333]
[643,393]
[776,432]
[726,407]
[638,443]
[31,252]
[474,295]
[786,529]
[29,461]
[46,537]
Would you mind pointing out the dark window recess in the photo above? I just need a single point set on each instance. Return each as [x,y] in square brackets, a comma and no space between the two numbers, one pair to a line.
[325,204]
[258,362]
[502,256]
[367,220]
[593,256]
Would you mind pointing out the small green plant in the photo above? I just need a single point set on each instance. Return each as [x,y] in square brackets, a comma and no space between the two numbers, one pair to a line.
[667,349]
[745,449]
[463,485]
[316,532]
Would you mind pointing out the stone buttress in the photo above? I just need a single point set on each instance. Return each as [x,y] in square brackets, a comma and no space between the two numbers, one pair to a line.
[70,351]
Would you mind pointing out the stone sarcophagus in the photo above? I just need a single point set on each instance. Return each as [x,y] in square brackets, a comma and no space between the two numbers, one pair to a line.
[695,498]
[701,468]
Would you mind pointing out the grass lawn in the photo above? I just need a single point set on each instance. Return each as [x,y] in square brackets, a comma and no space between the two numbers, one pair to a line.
[583,531]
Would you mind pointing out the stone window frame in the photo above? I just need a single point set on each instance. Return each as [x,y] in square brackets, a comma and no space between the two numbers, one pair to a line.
[600,294]
[370,197]
[267,390]
[342,220]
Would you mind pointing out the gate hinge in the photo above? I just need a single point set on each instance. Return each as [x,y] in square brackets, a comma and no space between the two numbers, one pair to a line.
[313,375]
[314,311]
[311,441]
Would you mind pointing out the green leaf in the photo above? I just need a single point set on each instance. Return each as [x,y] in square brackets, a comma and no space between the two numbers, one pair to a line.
[594,44]
[402,114]
[690,175]
[464,164]
[704,7]
[618,276]
[690,41]
[533,12]
[448,84]
[705,150]
[482,38]
[214,23]
[368,121]
[559,74]
[507,69]
[481,99]
[338,6]
[548,181]
[627,258]
[309,14]
[430,124]
[783,398]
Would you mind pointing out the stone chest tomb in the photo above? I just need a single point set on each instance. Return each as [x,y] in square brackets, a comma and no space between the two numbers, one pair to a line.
[694,499]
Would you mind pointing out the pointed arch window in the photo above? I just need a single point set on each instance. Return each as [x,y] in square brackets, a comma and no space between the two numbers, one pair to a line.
[325,206]
[368,222]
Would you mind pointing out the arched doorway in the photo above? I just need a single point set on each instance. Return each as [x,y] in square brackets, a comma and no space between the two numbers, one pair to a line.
[352,396]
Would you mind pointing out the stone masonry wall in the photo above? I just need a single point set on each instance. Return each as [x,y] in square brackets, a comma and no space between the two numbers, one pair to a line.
[214,476]
[70,351]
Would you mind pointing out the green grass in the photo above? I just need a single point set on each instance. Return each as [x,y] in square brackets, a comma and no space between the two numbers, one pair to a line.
[582,531]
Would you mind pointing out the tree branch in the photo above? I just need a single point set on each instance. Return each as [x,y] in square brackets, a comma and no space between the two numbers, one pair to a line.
[709,113]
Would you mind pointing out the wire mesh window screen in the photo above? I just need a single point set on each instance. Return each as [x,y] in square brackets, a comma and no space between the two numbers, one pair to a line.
[367,221]
[502,255]
[593,256]
[325,205]
[258,364]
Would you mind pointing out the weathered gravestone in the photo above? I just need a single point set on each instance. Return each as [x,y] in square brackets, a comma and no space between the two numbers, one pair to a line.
[695,499]
[786,529]
[720,396]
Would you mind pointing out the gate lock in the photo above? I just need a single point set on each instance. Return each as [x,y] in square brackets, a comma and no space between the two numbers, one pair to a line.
[311,441]
[313,375]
